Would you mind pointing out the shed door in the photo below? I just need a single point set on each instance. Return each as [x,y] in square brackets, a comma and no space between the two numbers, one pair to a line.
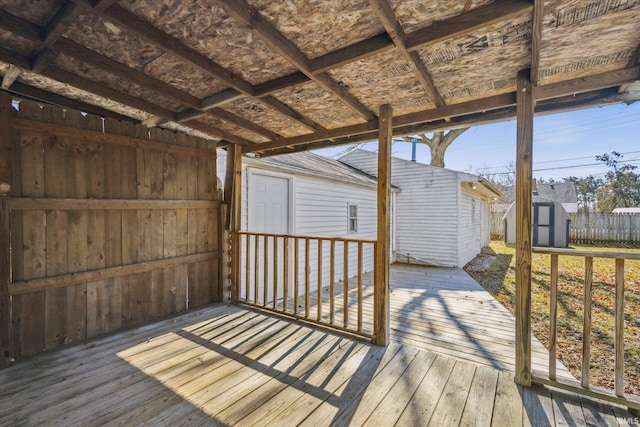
[268,213]
[543,224]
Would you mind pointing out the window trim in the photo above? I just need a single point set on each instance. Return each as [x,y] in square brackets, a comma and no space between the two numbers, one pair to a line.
[351,218]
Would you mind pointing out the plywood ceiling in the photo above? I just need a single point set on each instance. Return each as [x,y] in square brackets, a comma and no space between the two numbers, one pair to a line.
[280,76]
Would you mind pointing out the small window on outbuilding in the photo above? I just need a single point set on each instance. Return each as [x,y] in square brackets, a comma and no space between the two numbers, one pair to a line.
[353,218]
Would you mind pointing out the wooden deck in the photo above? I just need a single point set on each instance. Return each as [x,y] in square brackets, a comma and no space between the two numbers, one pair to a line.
[231,366]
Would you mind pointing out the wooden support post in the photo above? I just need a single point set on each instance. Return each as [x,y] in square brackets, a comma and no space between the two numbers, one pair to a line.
[233,186]
[5,245]
[524,114]
[381,281]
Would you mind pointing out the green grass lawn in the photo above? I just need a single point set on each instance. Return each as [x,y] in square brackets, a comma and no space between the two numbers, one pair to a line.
[499,280]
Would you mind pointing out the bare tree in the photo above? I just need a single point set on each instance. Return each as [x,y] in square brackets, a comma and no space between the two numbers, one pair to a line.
[438,143]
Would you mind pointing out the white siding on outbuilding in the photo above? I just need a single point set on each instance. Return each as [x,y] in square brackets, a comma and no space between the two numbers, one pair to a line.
[434,207]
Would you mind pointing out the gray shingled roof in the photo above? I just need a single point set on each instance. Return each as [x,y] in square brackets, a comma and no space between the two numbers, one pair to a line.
[315,165]
[563,192]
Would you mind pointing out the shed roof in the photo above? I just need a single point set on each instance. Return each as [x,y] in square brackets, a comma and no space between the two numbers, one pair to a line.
[280,76]
[563,192]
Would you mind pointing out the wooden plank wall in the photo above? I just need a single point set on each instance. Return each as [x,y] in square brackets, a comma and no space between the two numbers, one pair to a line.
[82,267]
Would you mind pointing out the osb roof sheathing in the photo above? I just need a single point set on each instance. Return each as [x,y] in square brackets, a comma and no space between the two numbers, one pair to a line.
[298,74]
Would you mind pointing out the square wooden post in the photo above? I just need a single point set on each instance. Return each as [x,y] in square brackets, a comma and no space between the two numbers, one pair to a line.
[524,114]
[5,251]
[381,288]
[232,200]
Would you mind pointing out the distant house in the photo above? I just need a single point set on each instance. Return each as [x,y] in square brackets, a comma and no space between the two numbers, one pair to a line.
[561,192]
[442,217]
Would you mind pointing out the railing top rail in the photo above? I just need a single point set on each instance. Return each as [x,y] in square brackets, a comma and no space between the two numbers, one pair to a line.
[302,236]
[587,253]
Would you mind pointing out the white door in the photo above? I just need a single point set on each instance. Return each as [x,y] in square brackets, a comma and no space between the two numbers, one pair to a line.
[268,213]
[268,204]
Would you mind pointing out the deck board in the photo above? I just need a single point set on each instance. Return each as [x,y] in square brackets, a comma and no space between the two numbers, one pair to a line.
[226,365]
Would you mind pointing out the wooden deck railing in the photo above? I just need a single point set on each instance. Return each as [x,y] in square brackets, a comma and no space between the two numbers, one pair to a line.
[317,279]
[584,386]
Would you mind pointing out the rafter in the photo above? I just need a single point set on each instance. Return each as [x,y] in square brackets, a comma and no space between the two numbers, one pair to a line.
[31,92]
[107,92]
[250,17]
[536,40]
[467,22]
[58,25]
[10,76]
[396,32]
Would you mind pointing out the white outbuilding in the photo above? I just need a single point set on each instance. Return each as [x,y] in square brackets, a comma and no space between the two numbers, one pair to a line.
[442,216]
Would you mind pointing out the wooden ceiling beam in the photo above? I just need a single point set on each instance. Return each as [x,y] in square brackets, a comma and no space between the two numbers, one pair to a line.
[587,84]
[284,109]
[10,76]
[104,63]
[542,95]
[536,40]
[244,123]
[31,92]
[553,106]
[54,30]
[396,32]
[159,115]
[467,22]
[250,17]
[355,52]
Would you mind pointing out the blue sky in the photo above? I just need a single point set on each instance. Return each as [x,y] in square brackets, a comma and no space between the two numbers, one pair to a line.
[562,143]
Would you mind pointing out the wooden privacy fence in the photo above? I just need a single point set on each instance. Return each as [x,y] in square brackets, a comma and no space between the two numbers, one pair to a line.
[608,229]
[605,228]
[318,279]
[497,226]
[107,225]
[584,387]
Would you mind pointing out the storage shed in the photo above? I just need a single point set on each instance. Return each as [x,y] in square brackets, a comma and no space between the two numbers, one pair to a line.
[442,215]
[550,227]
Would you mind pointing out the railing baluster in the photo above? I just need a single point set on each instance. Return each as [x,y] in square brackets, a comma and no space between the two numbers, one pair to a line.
[296,272]
[263,254]
[586,325]
[332,277]
[619,329]
[265,284]
[359,286]
[275,271]
[306,277]
[345,291]
[256,267]
[319,314]
[247,273]
[553,316]
[285,273]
